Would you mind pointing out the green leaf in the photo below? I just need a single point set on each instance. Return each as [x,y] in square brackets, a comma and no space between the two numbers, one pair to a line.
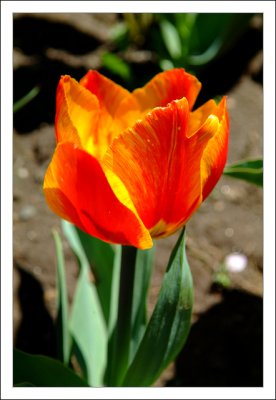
[101,258]
[113,316]
[143,270]
[249,170]
[34,370]
[24,384]
[120,338]
[165,65]
[133,273]
[214,33]
[169,325]
[26,99]
[116,65]
[87,324]
[63,335]
[171,38]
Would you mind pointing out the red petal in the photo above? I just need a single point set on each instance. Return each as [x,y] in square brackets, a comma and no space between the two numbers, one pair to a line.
[166,87]
[76,112]
[77,189]
[108,93]
[160,166]
[215,155]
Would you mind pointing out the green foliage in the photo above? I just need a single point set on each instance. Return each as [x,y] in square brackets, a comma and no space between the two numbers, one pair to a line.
[87,324]
[33,370]
[116,65]
[169,325]
[63,336]
[171,38]
[221,278]
[131,317]
[143,272]
[249,170]
[100,256]
[26,99]
[194,40]
[123,350]
[188,40]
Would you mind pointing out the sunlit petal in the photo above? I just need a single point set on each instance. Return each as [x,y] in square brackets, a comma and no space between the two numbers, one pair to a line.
[76,189]
[160,166]
[215,155]
[77,112]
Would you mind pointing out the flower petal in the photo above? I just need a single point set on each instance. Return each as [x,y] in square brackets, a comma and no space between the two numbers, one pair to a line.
[160,166]
[110,96]
[166,87]
[158,92]
[76,112]
[215,155]
[107,92]
[77,190]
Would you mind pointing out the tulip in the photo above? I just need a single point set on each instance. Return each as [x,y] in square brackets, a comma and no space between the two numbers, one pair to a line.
[130,167]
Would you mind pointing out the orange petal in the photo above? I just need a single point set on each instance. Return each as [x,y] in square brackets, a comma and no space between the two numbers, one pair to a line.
[160,166]
[108,93]
[166,87]
[110,96]
[77,190]
[215,155]
[76,112]
[158,92]
[199,116]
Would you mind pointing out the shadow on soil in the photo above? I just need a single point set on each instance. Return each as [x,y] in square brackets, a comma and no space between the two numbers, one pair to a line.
[225,346]
[36,333]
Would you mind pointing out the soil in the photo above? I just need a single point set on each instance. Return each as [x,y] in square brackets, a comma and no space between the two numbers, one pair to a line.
[225,344]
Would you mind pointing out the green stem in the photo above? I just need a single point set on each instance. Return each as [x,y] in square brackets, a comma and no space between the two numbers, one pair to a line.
[122,334]
[26,99]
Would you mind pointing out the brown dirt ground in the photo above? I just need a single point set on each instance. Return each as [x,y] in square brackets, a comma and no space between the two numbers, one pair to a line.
[226,337]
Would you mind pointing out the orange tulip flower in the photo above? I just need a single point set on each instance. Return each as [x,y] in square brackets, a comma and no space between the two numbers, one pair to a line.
[129,167]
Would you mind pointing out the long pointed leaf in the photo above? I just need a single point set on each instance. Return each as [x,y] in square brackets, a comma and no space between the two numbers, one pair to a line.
[249,170]
[88,330]
[41,371]
[101,258]
[63,336]
[121,335]
[169,325]
[113,317]
[87,324]
[143,270]
[171,38]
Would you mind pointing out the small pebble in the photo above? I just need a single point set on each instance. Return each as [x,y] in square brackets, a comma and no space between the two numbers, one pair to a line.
[22,173]
[235,262]
[27,212]
[229,232]
[31,235]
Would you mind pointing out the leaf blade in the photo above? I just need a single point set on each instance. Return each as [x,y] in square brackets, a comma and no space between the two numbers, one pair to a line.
[143,271]
[169,325]
[248,170]
[101,259]
[63,336]
[88,330]
[87,324]
[41,371]
[171,39]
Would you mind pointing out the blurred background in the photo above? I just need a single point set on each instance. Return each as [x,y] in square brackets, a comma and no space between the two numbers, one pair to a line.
[225,52]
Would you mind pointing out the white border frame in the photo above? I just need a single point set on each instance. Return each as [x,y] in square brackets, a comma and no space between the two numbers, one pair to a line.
[10,7]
